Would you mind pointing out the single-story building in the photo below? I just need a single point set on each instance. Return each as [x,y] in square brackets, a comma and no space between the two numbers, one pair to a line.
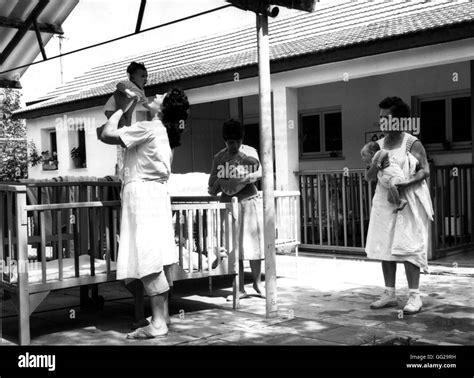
[330,69]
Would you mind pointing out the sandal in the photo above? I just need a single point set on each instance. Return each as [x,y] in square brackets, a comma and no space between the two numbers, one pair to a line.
[147,332]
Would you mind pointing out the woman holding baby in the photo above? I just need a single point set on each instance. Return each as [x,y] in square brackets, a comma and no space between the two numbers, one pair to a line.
[399,229]
[147,246]
[235,169]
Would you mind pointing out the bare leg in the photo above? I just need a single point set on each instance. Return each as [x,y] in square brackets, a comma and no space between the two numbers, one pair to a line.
[167,270]
[413,275]
[256,268]
[389,269]
[388,298]
[241,278]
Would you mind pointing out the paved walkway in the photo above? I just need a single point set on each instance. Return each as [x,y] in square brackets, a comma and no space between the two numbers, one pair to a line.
[325,301]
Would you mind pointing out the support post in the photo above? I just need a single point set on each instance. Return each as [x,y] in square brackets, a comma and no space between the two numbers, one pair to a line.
[140,16]
[23,293]
[40,41]
[266,147]
[472,149]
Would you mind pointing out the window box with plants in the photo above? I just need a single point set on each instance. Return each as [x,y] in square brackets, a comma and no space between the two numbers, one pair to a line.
[49,160]
[78,156]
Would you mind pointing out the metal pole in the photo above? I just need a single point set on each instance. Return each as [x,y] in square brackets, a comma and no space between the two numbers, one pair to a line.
[472,152]
[266,147]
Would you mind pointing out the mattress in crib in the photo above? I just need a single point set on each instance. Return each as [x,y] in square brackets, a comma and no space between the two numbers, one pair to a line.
[35,274]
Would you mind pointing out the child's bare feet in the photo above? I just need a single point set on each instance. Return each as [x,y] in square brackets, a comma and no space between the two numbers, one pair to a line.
[401,206]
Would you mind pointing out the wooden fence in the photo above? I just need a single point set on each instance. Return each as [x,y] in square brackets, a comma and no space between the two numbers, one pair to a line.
[335,209]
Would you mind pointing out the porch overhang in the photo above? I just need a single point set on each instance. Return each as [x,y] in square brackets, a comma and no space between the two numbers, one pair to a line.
[25,28]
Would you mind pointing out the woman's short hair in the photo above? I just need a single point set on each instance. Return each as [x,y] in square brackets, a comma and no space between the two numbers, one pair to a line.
[175,111]
[397,107]
[134,67]
[233,130]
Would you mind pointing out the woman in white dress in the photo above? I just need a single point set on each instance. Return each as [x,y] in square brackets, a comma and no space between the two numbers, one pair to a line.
[147,244]
[226,178]
[400,237]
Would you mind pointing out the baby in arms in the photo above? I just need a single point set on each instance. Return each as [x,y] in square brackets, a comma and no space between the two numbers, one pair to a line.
[389,177]
[239,168]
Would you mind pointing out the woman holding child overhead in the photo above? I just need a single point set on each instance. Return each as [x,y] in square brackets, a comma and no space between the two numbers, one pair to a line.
[235,169]
[401,207]
[147,244]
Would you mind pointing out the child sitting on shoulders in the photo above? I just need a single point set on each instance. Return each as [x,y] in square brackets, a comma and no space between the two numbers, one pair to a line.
[389,177]
[128,94]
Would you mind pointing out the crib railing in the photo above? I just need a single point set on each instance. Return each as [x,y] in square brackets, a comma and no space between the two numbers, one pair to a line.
[90,228]
[335,207]
[287,219]
[452,194]
[28,241]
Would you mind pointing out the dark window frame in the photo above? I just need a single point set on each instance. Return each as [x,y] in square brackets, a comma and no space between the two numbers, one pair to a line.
[448,97]
[326,154]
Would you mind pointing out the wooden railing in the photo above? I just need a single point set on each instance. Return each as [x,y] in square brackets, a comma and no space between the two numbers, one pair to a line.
[68,220]
[335,209]
[452,194]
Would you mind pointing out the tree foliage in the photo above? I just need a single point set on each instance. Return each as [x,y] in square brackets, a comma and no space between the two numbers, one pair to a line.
[13,144]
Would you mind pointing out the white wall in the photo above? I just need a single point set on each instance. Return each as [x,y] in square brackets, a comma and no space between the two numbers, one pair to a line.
[359,100]
[101,158]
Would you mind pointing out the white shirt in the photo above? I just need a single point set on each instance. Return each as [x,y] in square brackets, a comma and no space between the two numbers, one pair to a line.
[148,154]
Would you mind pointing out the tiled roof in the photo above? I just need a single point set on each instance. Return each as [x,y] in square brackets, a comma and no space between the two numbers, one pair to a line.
[329,28]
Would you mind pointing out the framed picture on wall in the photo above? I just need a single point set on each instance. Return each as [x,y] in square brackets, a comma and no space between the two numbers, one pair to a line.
[373,136]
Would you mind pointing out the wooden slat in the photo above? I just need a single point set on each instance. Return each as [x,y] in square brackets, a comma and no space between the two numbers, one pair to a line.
[73,205]
[92,215]
[362,235]
[114,233]
[320,219]
[43,246]
[200,230]
[77,241]
[235,255]
[194,206]
[353,208]
[344,209]
[211,233]
[10,227]
[218,234]
[106,229]
[69,232]
[22,256]
[2,226]
[312,203]
[189,224]
[435,228]
[443,207]
[228,235]
[59,244]
[335,202]
[465,204]
[457,211]
[328,214]
[304,205]
[180,228]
